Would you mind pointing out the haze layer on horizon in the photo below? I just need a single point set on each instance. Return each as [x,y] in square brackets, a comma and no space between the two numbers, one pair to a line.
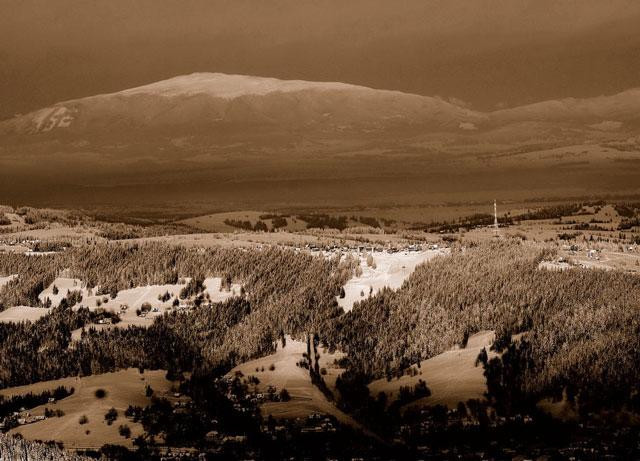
[486,53]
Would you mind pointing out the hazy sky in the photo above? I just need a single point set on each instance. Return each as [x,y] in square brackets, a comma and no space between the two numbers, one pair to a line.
[485,52]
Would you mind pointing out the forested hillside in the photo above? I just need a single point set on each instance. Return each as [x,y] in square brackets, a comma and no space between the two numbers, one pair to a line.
[17,449]
[579,329]
[282,292]
[582,328]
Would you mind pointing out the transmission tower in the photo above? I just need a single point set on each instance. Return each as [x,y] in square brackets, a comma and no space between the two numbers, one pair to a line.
[495,219]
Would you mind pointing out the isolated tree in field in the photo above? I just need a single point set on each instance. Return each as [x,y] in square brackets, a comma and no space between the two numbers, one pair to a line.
[124,431]
[465,339]
[371,262]
[111,416]
[284,395]
[55,290]
[482,357]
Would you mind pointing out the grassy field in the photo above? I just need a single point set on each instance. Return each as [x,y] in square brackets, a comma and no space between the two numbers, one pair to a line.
[237,239]
[216,222]
[306,399]
[451,376]
[123,388]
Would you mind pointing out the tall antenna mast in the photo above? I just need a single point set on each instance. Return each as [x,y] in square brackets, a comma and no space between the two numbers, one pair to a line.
[495,218]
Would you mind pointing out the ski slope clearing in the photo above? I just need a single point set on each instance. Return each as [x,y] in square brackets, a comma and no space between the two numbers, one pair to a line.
[123,388]
[451,376]
[388,270]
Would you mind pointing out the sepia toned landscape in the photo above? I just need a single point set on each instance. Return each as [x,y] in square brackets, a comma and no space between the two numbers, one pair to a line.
[320,230]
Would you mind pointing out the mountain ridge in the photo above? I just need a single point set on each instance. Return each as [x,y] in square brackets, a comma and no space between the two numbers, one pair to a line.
[210,98]
[215,97]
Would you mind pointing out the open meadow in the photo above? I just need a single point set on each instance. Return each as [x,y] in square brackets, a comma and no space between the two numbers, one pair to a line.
[82,423]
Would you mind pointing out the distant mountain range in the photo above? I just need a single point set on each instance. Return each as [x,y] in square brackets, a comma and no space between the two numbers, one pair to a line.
[192,102]
[217,129]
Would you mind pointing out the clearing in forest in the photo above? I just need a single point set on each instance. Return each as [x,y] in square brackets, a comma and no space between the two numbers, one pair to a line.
[306,399]
[451,376]
[387,270]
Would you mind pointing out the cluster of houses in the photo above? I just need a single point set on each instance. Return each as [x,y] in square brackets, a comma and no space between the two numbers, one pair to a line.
[410,248]
[217,438]
[13,245]
[431,422]
[21,418]
[317,423]
[14,242]
[591,253]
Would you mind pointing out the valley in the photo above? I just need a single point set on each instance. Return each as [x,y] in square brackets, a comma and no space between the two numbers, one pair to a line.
[336,324]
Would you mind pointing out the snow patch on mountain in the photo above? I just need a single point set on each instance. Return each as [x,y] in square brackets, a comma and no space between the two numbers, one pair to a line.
[233,86]
[52,117]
